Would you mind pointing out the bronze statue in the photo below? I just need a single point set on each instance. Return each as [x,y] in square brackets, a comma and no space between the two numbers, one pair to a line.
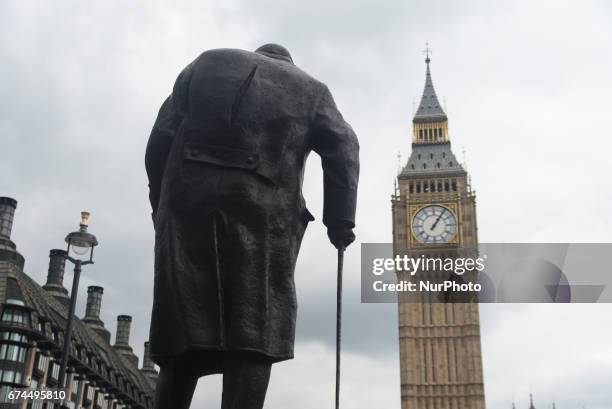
[225,162]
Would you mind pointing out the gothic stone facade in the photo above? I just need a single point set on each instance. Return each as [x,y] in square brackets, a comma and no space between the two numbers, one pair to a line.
[441,364]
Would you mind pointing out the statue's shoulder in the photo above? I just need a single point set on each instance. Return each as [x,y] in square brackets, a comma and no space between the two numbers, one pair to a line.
[226,54]
[229,59]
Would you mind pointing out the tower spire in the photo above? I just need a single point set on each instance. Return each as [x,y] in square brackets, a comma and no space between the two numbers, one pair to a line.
[430,124]
[429,108]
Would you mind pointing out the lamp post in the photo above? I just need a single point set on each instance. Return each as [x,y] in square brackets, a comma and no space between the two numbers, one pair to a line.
[80,243]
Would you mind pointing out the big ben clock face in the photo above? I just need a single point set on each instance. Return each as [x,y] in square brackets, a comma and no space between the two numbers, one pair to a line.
[434,224]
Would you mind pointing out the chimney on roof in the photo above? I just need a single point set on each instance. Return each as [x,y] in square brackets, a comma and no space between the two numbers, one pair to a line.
[148,367]
[55,276]
[92,311]
[94,302]
[7,213]
[122,339]
[11,262]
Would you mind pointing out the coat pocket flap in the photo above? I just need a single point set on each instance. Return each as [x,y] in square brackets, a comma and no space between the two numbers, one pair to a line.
[230,157]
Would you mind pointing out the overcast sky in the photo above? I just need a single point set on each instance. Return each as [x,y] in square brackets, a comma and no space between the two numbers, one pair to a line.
[527,90]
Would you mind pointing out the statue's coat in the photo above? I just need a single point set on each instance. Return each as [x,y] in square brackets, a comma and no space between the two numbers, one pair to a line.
[225,161]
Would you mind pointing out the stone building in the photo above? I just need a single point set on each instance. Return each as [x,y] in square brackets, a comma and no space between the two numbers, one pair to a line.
[434,215]
[32,322]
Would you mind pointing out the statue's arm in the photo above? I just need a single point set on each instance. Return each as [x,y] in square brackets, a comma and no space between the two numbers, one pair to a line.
[169,119]
[158,147]
[337,145]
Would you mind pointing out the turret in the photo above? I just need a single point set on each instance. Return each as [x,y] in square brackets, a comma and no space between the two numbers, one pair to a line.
[430,124]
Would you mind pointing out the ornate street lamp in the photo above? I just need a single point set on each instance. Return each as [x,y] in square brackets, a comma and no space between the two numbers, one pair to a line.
[80,243]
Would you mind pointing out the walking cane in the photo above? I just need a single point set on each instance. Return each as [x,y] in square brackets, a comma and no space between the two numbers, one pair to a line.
[339,323]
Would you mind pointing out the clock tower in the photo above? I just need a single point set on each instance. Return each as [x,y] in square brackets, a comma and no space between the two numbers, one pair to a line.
[434,214]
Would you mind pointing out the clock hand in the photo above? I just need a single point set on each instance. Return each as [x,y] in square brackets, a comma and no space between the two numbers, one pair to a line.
[433,226]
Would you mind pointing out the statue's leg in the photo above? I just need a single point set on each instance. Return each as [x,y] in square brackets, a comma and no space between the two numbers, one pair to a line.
[245,381]
[175,386]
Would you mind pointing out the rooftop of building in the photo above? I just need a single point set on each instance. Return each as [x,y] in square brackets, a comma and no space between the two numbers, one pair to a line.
[90,352]
[41,315]
[431,159]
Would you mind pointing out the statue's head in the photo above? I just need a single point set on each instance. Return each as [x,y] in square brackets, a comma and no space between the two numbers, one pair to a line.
[275,51]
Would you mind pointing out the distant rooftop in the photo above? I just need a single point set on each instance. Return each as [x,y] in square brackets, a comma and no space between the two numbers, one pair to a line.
[431,159]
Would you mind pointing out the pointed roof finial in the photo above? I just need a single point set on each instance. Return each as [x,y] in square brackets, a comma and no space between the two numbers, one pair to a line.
[427,51]
[429,109]
[531,401]
[399,161]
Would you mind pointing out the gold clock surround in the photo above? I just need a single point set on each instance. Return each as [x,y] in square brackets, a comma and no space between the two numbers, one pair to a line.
[452,207]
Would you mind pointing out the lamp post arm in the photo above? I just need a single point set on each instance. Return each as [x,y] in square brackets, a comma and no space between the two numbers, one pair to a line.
[74,261]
